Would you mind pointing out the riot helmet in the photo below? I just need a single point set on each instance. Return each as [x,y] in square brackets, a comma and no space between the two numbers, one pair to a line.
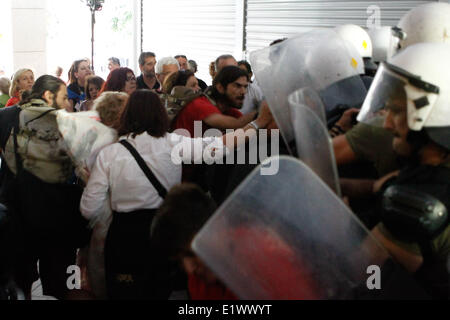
[362,42]
[317,59]
[426,23]
[417,78]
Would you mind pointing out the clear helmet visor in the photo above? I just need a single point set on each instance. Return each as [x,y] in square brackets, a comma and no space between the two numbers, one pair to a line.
[385,42]
[395,89]
[396,37]
[317,59]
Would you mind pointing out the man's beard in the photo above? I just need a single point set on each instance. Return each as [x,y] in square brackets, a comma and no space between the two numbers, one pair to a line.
[150,75]
[225,100]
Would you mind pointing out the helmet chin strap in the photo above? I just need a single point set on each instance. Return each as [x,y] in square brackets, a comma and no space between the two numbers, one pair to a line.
[417,140]
[420,139]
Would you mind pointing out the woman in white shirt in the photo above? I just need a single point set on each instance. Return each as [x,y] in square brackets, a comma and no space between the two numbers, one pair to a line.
[131,271]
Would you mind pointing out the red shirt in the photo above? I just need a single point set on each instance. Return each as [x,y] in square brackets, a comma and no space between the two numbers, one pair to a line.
[12,102]
[199,290]
[198,110]
[274,264]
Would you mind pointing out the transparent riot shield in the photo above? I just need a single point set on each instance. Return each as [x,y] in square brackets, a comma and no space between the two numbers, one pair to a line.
[317,59]
[309,98]
[314,144]
[288,237]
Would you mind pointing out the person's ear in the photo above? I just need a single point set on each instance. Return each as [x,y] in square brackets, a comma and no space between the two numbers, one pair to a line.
[48,96]
[220,88]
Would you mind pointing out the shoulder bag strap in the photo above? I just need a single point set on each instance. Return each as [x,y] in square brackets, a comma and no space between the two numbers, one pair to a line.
[148,172]
[19,165]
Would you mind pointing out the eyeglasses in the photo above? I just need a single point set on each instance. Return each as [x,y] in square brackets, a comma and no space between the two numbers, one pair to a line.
[132,78]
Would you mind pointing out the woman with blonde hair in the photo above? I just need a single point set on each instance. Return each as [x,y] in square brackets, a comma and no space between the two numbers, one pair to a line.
[109,107]
[23,80]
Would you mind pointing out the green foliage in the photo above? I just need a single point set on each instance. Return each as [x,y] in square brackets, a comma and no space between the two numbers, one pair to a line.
[122,21]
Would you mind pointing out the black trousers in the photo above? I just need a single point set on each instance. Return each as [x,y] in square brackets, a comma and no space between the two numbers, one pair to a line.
[134,271]
[47,226]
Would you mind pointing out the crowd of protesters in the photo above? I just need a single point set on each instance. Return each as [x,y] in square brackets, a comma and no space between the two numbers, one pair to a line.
[96,173]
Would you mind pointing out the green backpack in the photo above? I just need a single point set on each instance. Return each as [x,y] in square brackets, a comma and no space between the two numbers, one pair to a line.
[179,98]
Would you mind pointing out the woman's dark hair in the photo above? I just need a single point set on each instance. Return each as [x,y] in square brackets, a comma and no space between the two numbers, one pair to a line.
[144,113]
[44,83]
[116,80]
[247,66]
[226,76]
[179,78]
[182,78]
[74,69]
[184,212]
[96,81]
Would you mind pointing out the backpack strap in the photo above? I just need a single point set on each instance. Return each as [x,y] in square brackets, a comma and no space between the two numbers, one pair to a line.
[19,164]
[148,172]
[39,117]
[207,93]
[9,117]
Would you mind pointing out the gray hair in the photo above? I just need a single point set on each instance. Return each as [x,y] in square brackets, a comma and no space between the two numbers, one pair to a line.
[5,84]
[115,60]
[167,61]
[193,66]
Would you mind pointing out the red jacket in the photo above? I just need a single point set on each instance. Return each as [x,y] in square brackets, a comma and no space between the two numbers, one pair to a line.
[13,100]
[200,290]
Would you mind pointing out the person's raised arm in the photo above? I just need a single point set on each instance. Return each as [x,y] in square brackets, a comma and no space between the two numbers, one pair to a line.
[96,191]
[223,122]
[232,140]
[187,149]
[343,151]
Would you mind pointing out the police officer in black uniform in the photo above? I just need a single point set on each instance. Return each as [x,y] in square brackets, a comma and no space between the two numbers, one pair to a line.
[414,94]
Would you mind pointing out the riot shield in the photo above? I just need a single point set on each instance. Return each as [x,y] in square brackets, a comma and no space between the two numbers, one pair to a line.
[316,59]
[314,144]
[288,237]
[308,97]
